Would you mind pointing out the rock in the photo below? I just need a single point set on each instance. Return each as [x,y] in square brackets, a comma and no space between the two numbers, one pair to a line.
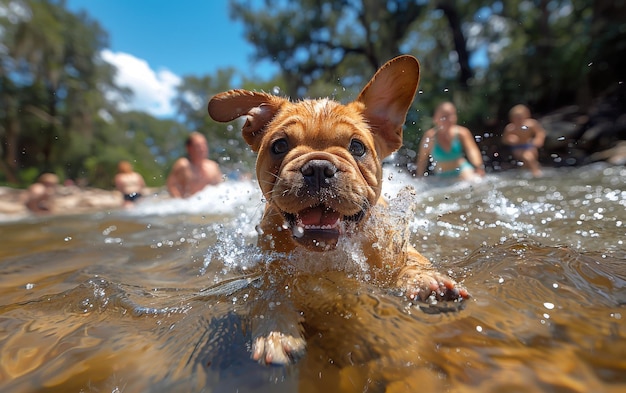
[579,134]
[615,155]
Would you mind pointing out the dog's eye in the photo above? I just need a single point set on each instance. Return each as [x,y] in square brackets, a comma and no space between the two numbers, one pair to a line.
[357,148]
[280,146]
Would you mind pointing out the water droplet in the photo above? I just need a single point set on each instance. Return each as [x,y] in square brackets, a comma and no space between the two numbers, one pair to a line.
[276,90]
[479,329]
[107,231]
[548,305]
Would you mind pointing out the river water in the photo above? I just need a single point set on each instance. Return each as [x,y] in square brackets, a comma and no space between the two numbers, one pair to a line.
[159,298]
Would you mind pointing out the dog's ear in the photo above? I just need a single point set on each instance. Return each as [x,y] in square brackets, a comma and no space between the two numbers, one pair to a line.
[259,109]
[387,99]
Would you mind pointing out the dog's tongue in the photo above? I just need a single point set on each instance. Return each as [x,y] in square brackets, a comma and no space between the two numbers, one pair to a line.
[318,216]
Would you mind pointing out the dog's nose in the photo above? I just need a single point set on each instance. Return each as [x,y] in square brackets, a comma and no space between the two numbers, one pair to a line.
[318,173]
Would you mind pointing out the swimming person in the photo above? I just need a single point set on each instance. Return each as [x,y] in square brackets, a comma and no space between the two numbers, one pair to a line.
[191,174]
[452,147]
[524,135]
[130,183]
[40,195]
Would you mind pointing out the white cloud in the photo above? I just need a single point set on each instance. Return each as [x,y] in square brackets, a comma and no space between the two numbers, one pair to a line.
[153,91]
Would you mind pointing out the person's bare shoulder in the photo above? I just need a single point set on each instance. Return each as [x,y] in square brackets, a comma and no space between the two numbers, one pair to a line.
[466,134]
[36,189]
[182,162]
[509,128]
[179,167]
[465,131]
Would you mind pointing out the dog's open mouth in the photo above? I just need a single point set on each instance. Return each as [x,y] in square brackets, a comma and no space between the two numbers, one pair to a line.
[319,227]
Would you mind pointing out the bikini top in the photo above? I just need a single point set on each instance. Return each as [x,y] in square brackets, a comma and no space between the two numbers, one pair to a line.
[455,152]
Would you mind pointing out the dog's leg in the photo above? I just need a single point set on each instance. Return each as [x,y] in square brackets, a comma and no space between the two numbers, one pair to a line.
[276,330]
[420,281]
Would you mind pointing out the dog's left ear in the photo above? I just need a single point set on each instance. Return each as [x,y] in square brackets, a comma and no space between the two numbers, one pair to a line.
[387,99]
[259,109]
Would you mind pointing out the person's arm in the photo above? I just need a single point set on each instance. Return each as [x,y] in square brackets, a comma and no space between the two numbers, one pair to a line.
[176,179]
[217,177]
[540,134]
[119,184]
[142,183]
[423,154]
[471,150]
[508,137]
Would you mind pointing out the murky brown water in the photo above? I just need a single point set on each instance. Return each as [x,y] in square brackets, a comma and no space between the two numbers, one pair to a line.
[160,299]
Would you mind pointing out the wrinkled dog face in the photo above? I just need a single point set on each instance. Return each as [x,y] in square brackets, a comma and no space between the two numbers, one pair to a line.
[319,161]
[321,170]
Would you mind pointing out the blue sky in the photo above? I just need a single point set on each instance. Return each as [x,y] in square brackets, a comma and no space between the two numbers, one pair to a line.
[156,42]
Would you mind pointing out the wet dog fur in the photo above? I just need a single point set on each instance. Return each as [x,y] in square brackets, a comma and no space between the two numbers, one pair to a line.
[319,167]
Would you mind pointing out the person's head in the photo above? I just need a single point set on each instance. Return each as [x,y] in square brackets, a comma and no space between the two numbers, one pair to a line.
[48,179]
[445,115]
[518,114]
[197,148]
[124,167]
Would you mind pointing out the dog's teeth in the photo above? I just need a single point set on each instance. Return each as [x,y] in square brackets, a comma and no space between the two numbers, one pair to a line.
[298,231]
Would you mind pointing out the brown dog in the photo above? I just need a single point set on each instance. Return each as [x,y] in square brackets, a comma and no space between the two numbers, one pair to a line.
[319,168]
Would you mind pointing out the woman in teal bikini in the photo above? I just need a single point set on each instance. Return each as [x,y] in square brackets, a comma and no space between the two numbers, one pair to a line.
[452,147]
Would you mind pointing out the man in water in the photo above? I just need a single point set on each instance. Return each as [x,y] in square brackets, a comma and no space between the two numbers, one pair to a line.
[130,183]
[191,174]
[525,136]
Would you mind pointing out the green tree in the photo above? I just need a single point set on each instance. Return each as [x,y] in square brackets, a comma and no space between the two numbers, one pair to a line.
[484,55]
[336,46]
[312,40]
[52,85]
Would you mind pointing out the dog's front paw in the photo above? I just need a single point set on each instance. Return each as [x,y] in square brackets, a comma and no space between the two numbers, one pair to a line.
[430,285]
[278,348]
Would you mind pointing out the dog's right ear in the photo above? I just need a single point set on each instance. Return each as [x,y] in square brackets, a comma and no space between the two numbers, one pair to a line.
[259,109]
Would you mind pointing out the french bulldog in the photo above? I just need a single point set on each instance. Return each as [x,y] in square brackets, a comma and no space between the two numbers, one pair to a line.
[319,167]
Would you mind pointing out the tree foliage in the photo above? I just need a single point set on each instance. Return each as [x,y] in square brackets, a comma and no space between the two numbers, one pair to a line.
[51,86]
[484,55]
